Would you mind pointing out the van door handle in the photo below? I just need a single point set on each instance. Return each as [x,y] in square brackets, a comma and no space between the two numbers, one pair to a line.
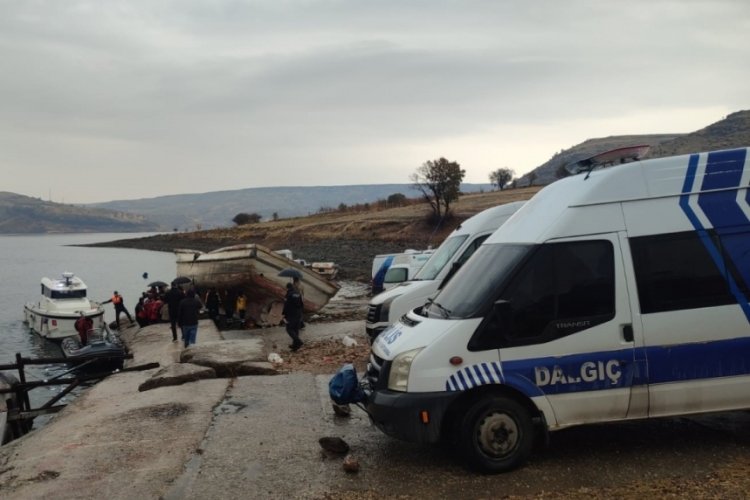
[627,333]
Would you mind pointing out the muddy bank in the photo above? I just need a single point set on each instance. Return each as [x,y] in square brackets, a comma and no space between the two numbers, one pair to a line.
[354,257]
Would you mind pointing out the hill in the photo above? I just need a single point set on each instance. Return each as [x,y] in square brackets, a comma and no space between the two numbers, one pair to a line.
[216,209]
[25,215]
[548,172]
[733,131]
[351,239]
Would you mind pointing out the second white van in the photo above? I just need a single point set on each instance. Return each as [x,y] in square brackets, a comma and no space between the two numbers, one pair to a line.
[387,307]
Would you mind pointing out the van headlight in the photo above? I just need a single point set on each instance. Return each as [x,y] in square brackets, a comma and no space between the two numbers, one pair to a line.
[398,378]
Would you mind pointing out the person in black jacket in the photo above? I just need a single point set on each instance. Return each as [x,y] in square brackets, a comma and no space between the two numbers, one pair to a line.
[293,315]
[173,298]
[187,317]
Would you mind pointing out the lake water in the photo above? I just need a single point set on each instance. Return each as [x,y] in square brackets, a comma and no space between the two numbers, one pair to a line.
[25,260]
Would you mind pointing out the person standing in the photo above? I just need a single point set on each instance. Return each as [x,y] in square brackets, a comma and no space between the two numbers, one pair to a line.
[82,325]
[212,303]
[297,283]
[293,315]
[140,312]
[187,317]
[240,305]
[119,304]
[173,298]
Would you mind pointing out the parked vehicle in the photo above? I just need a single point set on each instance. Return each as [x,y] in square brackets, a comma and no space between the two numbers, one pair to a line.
[405,267]
[617,294]
[409,261]
[389,306]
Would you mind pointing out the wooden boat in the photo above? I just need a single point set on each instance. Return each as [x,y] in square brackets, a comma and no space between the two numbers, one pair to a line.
[254,270]
[60,305]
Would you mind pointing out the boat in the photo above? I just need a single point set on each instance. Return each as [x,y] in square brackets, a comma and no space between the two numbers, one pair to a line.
[60,305]
[103,351]
[254,270]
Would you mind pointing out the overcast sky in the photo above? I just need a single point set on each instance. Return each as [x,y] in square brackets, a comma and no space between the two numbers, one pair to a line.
[104,100]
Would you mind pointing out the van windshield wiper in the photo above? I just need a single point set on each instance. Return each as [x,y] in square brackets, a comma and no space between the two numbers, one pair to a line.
[446,312]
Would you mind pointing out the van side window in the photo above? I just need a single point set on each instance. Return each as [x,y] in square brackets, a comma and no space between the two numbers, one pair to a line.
[675,271]
[562,289]
[471,249]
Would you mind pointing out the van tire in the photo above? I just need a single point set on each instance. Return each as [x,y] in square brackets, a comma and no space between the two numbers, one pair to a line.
[496,435]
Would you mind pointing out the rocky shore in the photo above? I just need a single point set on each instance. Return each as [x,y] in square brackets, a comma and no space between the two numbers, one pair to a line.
[354,257]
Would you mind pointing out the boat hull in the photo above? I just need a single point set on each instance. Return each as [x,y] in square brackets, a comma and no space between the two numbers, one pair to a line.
[253,269]
[58,323]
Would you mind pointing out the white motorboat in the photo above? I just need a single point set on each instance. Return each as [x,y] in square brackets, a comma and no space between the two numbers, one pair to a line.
[60,305]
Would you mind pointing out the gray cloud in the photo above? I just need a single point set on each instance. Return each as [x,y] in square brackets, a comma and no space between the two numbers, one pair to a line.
[228,94]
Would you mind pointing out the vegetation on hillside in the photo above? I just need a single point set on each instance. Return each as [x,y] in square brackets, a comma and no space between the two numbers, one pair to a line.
[25,215]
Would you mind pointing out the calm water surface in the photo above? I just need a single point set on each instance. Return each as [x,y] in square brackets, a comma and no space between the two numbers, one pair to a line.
[25,260]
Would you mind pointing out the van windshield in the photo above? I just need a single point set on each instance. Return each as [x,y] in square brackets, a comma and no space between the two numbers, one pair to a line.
[440,258]
[477,282]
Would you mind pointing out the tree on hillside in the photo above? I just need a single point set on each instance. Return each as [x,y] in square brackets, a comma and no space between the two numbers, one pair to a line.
[501,177]
[439,181]
[396,200]
[242,218]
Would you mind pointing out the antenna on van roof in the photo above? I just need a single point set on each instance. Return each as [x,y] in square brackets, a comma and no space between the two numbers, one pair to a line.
[608,158]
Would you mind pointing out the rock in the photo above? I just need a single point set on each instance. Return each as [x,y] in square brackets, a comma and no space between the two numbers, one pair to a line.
[334,445]
[341,410]
[226,356]
[351,464]
[348,341]
[177,374]
[254,368]
[275,358]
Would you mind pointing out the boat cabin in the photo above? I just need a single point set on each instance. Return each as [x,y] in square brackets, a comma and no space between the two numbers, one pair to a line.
[68,287]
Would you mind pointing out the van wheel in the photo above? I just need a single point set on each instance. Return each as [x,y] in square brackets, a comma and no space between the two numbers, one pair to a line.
[497,435]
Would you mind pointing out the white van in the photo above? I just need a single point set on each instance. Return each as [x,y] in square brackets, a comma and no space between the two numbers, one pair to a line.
[405,267]
[618,294]
[389,306]
[382,263]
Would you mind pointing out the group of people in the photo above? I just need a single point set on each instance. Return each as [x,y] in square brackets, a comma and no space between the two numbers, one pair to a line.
[213,303]
[184,310]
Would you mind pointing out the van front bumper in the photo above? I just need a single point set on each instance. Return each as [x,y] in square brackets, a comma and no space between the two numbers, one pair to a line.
[400,414]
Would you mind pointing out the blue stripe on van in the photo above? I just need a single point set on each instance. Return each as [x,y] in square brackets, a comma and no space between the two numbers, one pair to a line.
[723,172]
[615,369]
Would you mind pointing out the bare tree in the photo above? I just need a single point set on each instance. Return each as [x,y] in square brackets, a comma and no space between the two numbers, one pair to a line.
[439,181]
[501,177]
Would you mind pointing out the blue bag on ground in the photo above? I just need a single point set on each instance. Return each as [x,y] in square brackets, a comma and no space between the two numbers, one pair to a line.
[344,387]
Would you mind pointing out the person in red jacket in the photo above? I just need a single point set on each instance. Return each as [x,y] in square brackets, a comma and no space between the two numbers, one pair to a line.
[82,325]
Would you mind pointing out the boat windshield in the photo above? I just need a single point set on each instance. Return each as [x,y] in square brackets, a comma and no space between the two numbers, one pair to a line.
[477,283]
[67,294]
[440,258]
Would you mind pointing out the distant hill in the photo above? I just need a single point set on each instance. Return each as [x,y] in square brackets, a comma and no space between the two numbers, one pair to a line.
[25,215]
[217,209]
[731,132]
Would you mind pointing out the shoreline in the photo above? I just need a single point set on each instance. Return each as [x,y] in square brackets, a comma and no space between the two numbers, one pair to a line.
[354,257]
